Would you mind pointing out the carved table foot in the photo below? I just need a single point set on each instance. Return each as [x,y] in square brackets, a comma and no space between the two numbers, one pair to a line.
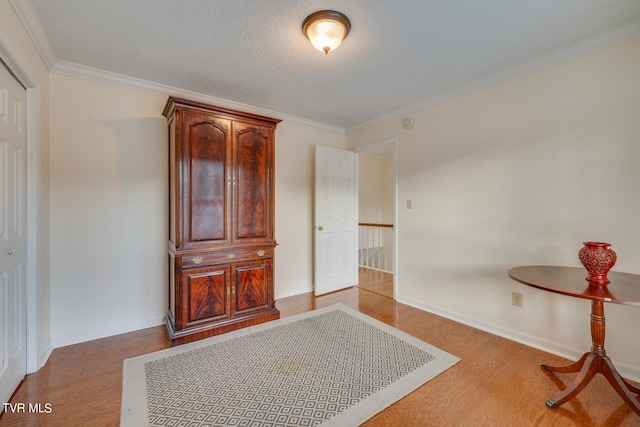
[552,404]
[624,389]
[589,365]
[574,367]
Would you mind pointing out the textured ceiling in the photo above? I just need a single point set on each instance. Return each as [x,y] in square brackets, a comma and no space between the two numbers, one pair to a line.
[399,53]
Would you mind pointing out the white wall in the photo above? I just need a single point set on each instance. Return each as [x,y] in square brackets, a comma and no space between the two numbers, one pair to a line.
[517,174]
[109,208]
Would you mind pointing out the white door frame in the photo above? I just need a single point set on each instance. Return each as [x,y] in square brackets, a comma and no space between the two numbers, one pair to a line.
[372,146]
[34,360]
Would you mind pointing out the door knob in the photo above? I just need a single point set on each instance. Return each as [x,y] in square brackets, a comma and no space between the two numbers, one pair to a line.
[320,228]
[10,252]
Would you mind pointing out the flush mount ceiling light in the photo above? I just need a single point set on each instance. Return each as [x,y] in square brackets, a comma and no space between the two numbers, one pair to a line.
[326,29]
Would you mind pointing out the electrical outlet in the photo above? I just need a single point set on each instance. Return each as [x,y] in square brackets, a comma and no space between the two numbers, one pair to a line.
[516,299]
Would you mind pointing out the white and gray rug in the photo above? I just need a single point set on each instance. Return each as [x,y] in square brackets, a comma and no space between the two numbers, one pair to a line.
[331,367]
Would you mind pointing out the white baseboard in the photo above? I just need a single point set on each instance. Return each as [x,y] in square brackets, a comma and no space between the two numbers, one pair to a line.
[42,358]
[293,293]
[108,332]
[121,329]
[628,372]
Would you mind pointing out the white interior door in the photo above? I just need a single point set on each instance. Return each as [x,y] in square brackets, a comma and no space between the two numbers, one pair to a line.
[13,357]
[336,235]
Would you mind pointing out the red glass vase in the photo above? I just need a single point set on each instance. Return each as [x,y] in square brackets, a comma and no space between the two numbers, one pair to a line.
[598,259]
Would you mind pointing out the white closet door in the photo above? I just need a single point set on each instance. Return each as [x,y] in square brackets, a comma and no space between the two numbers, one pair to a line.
[13,357]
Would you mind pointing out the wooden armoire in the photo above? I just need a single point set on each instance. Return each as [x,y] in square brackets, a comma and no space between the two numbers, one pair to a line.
[221,220]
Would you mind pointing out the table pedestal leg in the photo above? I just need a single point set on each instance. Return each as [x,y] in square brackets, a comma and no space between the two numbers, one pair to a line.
[624,389]
[593,363]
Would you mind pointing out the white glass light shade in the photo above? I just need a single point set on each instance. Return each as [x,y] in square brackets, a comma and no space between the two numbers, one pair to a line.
[326,35]
[326,29]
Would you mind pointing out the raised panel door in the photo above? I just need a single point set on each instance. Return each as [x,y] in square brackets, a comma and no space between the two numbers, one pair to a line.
[206,145]
[336,238]
[205,295]
[13,259]
[252,286]
[253,184]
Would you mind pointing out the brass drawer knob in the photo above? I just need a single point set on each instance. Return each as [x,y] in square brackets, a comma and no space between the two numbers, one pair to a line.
[231,256]
[197,259]
[260,252]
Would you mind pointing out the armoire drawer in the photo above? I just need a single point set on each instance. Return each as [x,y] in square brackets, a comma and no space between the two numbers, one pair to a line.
[223,257]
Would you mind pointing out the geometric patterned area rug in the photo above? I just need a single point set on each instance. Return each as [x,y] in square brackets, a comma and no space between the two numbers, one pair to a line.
[330,367]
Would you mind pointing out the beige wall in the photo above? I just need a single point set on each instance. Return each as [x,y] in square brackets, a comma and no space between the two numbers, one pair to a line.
[388,188]
[109,208]
[295,154]
[375,188]
[369,188]
[522,173]
[18,51]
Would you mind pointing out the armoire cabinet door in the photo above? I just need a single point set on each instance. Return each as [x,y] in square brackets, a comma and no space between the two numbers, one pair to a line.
[252,286]
[253,194]
[205,295]
[205,164]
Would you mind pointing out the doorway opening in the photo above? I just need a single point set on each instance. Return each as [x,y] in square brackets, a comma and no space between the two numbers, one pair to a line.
[377,175]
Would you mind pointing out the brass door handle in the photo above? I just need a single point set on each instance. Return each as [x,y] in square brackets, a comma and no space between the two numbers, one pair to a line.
[320,228]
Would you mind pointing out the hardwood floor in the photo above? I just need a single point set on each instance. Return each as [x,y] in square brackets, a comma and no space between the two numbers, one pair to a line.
[497,383]
[376,281]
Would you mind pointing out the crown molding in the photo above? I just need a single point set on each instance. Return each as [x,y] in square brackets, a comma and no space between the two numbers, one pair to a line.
[31,21]
[33,25]
[616,35]
[94,74]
